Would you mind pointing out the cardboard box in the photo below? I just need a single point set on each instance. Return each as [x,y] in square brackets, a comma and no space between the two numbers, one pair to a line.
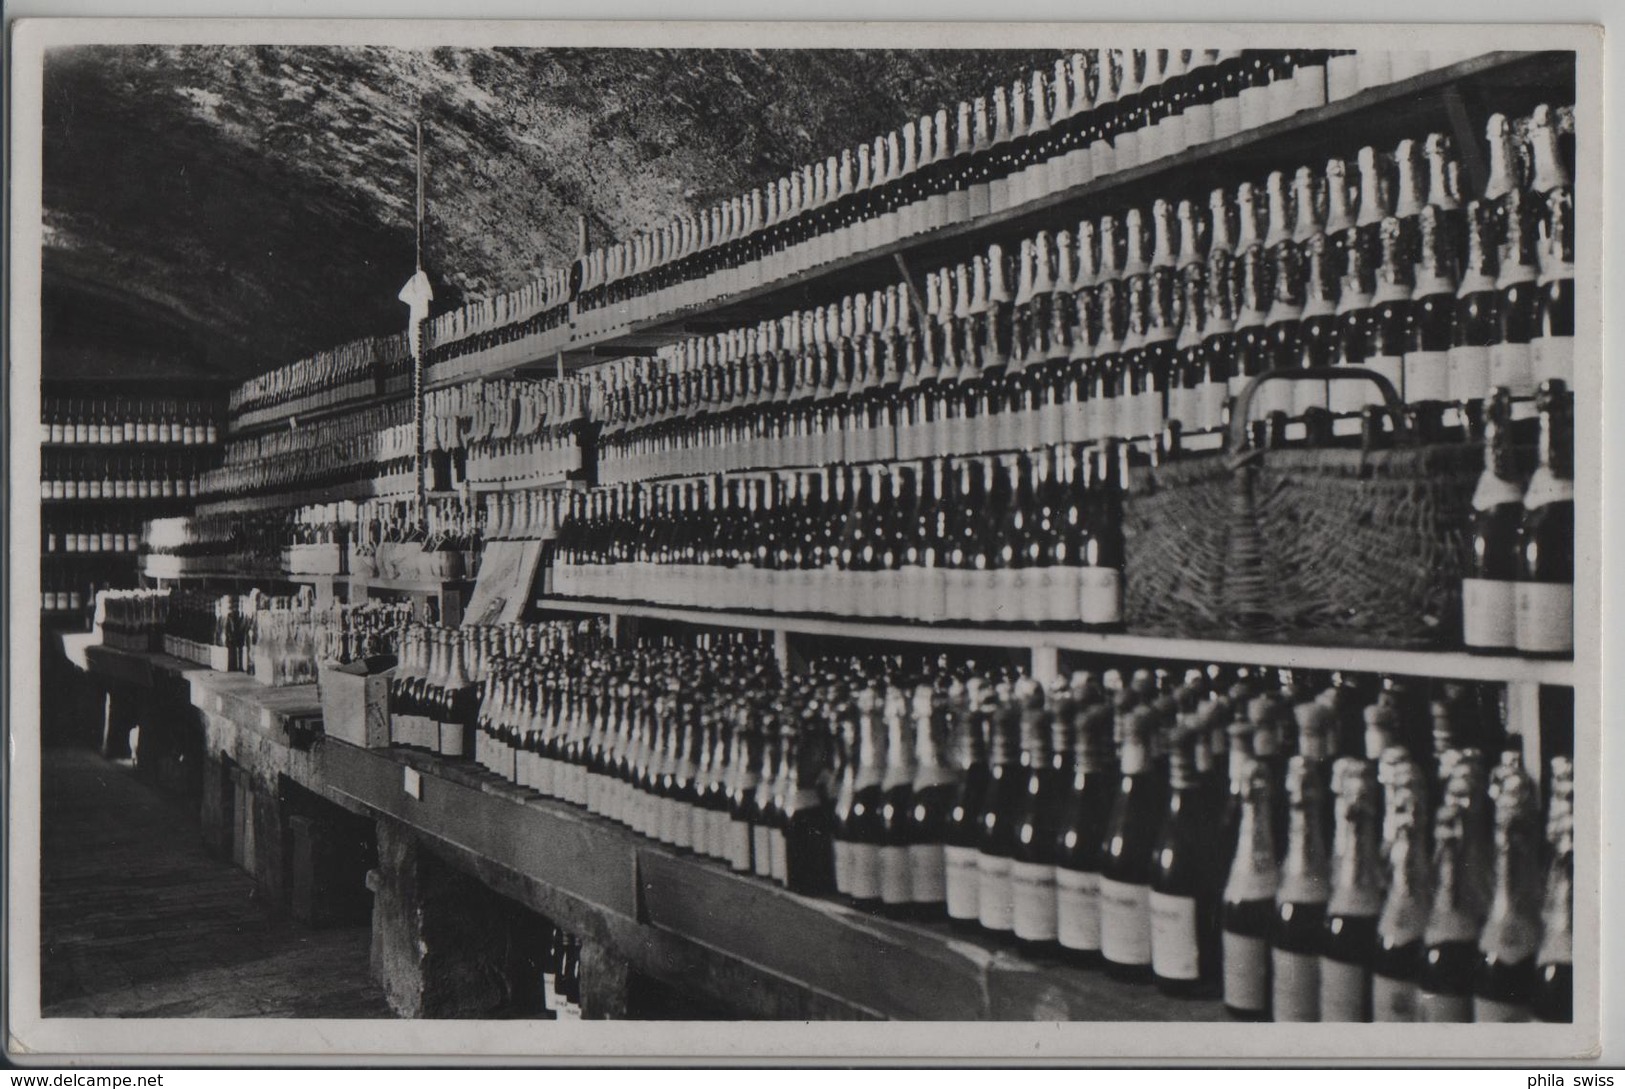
[355,703]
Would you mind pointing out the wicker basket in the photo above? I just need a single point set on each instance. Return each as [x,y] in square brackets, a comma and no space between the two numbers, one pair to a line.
[1335,546]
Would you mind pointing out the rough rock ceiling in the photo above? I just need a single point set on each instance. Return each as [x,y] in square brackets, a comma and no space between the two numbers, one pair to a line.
[262,196]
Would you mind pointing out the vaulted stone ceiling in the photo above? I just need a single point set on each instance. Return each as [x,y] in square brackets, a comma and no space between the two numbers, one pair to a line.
[261,198]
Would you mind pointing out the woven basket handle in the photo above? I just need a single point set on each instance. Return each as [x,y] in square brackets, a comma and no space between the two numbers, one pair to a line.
[1244,400]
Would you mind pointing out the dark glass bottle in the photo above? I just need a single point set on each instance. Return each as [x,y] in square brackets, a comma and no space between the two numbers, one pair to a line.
[1032,850]
[1249,902]
[1082,828]
[1125,854]
[1349,946]
[1553,998]
[1476,325]
[1544,600]
[1450,955]
[932,795]
[1489,584]
[809,864]
[1184,895]
[1298,929]
[1552,354]
[970,704]
[995,898]
[896,801]
[1504,983]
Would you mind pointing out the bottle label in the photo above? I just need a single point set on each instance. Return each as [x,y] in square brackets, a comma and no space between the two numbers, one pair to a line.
[843,867]
[778,857]
[761,852]
[1469,373]
[1033,888]
[1297,986]
[1077,909]
[1553,357]
[1511,366]
[895,880]
[1545,617]
[1392,999]
[928,879]
[1125,922]
[1443,1008]
[1489,1010]
[1100,595]
[1427,376]
[1246,972]
[1173,936]
[963,882]
[1343,990]
[738,845]
[995,899]
[1488,612]
[863,872]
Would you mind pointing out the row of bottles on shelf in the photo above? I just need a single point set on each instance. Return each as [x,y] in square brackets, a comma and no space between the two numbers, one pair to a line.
[69,476]
[90,536]
[137,612]
[122,421]
[1100,112]
[360,362]
[1028,538]
[1135,322]
[207,620]
[288,638]
[1096,113]
[1169,827]
[71,592]
[1022,538]
[561,975]
[336,449]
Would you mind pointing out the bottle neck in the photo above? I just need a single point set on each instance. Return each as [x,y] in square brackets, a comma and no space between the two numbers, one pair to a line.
[1254,874]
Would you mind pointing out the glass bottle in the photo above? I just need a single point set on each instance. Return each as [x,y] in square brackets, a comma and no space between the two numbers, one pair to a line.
[1504,982]
[1298,928]
[1544,597]
[1355,900]
[1126,848]
[1490,582]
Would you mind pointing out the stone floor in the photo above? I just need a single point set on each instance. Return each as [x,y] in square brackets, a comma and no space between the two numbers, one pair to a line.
[137,921]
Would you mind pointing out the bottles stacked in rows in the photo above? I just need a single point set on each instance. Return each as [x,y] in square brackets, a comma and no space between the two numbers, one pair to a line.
[132,612]
[145,476]
[1094,114]
[361,362]
[486,323]
[1021,538]
[338,449]
[443,523]
[1008,809]
[519,433]
[1129,324]
[215,620]
[255,536]
[90,536]
[121,422]
[561,976]
[523,515]
[354,633]
[1518,589]
[68,593]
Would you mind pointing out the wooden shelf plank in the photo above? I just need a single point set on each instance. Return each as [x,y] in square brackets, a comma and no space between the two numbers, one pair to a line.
[1449,665]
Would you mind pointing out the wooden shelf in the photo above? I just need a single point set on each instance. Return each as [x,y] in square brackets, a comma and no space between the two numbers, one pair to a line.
[1448,665]
[133,447]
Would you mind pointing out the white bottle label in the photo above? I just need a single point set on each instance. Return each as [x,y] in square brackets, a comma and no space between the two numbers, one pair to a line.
[1173,936]
[896,885]
[1246,972]
[1488,1010]
[1488,612]
[1512,366]
[1427,376]
[1125,922]
[778,857]
[1033,887]
[1077,909]
[843,867]
[963,882]
[1443,1008]
[1553,357]
[1297,986]
[1545,617]
[761,852]
[995,899]
[928,879]
[1100,595]
[1469,373]
[1343,989]
[863,871]
[739,844]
